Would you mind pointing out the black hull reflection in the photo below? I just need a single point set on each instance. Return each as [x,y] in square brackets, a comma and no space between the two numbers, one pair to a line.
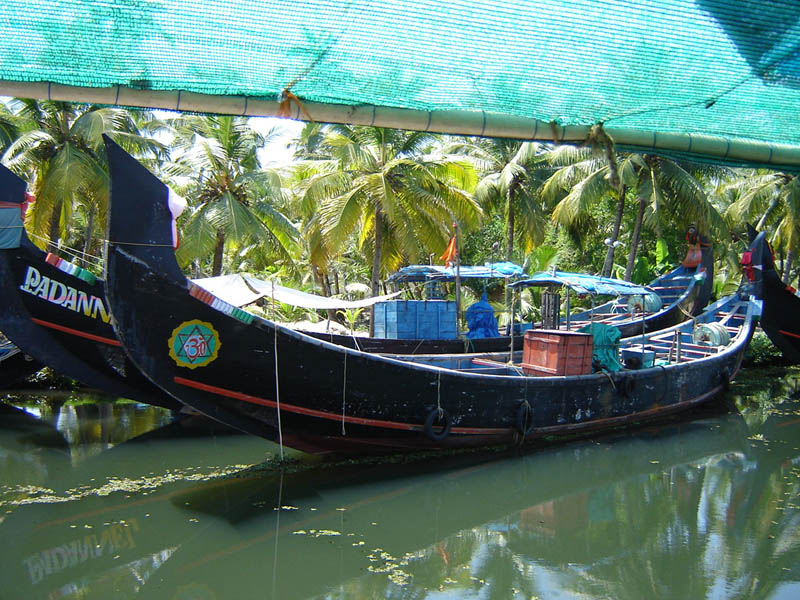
[154,518]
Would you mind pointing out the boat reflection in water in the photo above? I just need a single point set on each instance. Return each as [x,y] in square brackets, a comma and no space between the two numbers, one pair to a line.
[670,512]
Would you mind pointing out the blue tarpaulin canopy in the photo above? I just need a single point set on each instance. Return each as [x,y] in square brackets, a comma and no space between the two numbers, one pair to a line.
[584,284]
[501,270]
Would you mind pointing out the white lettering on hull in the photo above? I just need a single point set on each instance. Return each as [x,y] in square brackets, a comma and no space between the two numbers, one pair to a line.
[63,295]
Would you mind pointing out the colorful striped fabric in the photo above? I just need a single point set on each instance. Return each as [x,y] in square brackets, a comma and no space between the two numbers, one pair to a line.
[229,309]
[70,269]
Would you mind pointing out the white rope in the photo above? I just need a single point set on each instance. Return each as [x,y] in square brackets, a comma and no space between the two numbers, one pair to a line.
[73,252]
[344,390]
[277,386]
[439,392]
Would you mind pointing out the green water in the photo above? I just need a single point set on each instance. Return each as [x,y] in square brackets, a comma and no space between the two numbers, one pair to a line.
[118,501]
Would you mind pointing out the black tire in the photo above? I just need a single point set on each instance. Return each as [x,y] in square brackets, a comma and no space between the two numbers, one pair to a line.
[437,415]
[524,419]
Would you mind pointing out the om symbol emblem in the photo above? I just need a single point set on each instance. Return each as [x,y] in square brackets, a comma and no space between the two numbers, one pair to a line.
[194,344]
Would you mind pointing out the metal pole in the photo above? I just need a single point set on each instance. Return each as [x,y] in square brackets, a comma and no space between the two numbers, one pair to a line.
[458,275]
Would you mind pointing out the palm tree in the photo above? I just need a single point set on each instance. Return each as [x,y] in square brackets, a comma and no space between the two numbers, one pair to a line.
[664,190]
[380,186]
[514,173]
[234,201]
[772,201]
[60,152]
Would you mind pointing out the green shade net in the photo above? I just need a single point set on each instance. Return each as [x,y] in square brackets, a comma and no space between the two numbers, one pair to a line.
[711,79]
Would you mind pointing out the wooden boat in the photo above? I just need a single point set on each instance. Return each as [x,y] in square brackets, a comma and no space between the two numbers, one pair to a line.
[56,313]
[780,317]
[314,396]
[15,365]
[680,294]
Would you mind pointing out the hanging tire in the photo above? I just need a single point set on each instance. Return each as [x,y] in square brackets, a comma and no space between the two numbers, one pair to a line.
[438,417]
[524,419]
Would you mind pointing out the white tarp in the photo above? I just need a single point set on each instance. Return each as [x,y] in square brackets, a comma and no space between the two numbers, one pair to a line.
[241,290]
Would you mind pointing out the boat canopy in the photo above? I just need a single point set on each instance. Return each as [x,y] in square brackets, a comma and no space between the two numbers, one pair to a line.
[499,270]
[242,289]
[584,284]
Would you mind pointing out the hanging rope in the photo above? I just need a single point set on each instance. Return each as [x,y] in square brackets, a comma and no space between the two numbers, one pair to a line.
[277,386]
[439,392]
[344,390]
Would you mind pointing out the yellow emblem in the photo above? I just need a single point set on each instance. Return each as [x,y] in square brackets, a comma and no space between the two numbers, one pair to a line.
[194,344]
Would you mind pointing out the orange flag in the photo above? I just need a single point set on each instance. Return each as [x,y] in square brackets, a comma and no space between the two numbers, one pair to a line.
[450,253]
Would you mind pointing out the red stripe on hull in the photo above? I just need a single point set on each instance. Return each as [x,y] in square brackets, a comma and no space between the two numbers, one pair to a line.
[83,334]
[325,415]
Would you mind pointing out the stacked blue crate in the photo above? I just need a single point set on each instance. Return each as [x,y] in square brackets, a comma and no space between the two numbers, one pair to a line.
[416,319]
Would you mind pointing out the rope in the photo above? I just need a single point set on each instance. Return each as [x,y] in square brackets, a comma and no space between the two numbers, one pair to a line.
[344,390]
[611,379]
[439,392]
[277,386]
[73,252]
[138,244]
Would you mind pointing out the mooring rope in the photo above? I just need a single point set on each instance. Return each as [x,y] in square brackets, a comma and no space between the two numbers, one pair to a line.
[344,390]
[277,386]
[439,392]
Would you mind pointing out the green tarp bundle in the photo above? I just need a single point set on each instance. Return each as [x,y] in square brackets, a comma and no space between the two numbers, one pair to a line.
[711,79]
[605,345]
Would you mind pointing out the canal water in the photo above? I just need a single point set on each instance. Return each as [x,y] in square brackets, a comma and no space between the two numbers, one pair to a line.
[104,500]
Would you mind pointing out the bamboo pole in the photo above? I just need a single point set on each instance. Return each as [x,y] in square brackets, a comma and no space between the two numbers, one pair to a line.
[461,122]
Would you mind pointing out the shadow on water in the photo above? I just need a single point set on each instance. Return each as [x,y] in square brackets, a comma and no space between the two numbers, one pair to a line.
[186,512]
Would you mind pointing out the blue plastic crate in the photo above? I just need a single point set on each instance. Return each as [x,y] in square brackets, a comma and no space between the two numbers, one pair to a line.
[416,319]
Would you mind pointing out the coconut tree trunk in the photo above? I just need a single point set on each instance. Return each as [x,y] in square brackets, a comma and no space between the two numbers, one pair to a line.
[216,268]
[762,221]
[637,229]
[787,266]
[376,265]
[609,262]
[55,230]
[322,280]
[510,222]
[87,246]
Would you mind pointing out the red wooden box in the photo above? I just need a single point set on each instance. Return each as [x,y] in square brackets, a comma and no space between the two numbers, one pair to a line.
[547,352]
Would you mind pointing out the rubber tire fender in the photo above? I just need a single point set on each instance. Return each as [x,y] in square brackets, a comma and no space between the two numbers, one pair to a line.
[434,415]
[524,419]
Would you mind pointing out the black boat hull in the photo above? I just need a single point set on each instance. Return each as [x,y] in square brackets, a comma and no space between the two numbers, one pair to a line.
[780,317]
[62,321]
[15,366]
[317,397]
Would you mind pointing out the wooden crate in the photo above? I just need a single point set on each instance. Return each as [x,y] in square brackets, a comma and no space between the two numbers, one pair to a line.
[548,352]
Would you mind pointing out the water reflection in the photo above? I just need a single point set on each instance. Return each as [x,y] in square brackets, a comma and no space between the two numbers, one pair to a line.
[707,509]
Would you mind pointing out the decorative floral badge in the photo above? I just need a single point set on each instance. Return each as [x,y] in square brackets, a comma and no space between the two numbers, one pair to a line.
[194,344]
